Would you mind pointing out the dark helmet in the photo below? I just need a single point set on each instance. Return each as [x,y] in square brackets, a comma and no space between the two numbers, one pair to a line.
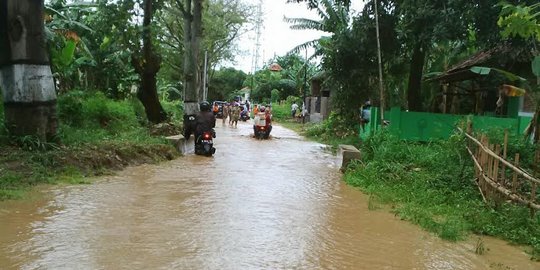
[204,106]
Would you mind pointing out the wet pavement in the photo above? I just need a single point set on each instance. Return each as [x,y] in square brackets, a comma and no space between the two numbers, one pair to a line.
[257,204]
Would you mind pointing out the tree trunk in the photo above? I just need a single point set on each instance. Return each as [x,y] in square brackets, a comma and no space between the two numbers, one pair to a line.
[414,91]
[147,67]
[25,74]
[192,13]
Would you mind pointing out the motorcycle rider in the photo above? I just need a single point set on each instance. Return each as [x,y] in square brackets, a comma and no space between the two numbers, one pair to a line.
[263,118]
[204,121]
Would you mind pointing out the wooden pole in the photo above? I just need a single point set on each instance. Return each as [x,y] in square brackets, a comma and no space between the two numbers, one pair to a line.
[379,58]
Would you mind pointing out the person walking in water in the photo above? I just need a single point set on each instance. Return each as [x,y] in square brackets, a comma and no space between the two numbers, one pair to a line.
[225,113]
[235,114]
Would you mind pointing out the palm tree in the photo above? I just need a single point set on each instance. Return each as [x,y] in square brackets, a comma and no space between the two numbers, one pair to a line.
[334,19]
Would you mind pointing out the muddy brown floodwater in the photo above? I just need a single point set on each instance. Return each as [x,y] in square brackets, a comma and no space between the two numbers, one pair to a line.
[271,204]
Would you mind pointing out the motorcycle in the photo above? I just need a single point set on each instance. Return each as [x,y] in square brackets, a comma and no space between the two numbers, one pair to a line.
[244,115]
[204,144]
[262,127]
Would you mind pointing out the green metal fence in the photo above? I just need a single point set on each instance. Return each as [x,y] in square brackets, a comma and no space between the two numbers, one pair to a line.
[422,126]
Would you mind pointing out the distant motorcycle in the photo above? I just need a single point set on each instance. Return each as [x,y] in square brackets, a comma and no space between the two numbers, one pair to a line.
[204,144]
[244,115]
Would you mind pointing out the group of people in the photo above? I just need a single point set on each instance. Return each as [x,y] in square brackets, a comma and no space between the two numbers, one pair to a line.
[232,111]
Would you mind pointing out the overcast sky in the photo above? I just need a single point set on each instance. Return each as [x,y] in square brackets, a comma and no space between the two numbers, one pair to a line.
[276,36]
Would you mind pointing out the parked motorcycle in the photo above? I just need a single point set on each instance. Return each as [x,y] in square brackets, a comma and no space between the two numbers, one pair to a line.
[204,144]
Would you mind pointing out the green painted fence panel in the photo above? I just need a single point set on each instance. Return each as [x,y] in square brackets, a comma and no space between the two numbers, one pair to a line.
[422,126]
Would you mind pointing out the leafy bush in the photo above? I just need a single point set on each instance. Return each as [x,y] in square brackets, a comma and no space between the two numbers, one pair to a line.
[335,127]
[175,110]
[103,112]
[70,108]
[292,99]
[274,95]
[281,112]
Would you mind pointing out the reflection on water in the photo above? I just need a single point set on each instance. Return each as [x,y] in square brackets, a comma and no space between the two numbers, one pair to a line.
[270,204]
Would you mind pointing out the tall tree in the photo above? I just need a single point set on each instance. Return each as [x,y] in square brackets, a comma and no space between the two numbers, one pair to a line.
[224,21]
[423,23]
[25,75]
[147,64]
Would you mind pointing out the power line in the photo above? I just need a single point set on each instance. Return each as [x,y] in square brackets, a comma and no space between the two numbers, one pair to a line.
[259,21]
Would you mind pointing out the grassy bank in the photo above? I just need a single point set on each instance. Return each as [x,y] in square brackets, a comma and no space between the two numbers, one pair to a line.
[430,184]
[96,135]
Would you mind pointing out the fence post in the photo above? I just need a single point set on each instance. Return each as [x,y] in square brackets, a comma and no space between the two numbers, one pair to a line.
[505,152]
[515,178]
[534,186]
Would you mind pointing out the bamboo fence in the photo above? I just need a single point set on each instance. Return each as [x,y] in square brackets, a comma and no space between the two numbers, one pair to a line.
[500,179]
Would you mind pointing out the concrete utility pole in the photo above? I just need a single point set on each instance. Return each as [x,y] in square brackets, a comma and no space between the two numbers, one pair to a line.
[205,76]
[192,15]
[381,85]
[304,106]
[25,74]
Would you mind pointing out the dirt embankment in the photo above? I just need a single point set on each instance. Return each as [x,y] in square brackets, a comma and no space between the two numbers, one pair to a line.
[20,169]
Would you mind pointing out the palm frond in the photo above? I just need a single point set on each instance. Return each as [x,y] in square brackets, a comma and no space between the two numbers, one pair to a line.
[304,46]
[304,24]
[67,20]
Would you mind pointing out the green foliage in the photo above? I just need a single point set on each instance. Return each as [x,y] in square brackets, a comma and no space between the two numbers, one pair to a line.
[224,83]
[98,110]
[535,66]
[224,21]
[433,185]
[88,116]
[296,74]
[175,110]
[292,99]
[96,133]
[10,186]
[33,143]
[274,95]
[281,112]
[70,108]
[520,20]
[335,130]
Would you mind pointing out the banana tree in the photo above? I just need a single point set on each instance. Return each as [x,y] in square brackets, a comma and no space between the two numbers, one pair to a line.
[67,50]
[524,21]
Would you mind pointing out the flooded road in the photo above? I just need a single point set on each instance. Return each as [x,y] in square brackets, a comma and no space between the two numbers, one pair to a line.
[273,204]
